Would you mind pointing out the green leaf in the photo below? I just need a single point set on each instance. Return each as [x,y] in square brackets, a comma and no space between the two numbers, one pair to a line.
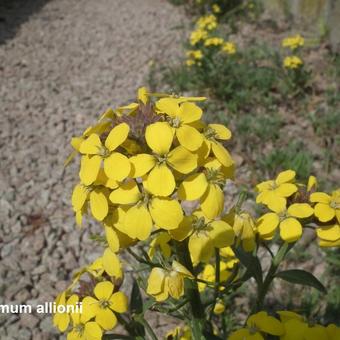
[251,262]
[136,300]
[301,277]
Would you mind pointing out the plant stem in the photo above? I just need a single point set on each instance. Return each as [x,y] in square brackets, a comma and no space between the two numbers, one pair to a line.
[191,291]
[217,280]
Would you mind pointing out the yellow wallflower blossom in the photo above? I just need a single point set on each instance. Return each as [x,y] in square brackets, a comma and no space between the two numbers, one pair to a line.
[195,54]
[281,187]
[104,304]
[285,219]
[165,282]
[160,241]
[62,320]
[245,231]
[216,8]
[293,42]
[190,62]
[219,307]
[139,210]
[180,116]
[180,333]
[116,165]
[197,36]
[229,48]
[292,62]
[204,235]
[208,22]
[213,41]
[327,206]
[83,329]
[257,324]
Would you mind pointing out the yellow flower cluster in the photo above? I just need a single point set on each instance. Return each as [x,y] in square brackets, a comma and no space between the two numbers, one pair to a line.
[290,202]
[292,62]
[97,288]
[139,164]
[290,326]
[293,42]
[202,37]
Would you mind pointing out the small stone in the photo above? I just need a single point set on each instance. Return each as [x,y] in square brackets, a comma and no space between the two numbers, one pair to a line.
[29,320]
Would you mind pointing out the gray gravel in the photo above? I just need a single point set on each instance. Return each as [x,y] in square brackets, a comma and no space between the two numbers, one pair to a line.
[61,67]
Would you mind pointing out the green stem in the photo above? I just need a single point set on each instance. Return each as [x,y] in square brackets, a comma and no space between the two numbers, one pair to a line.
[217,280]
[276,261]
[191,291]
[148,328]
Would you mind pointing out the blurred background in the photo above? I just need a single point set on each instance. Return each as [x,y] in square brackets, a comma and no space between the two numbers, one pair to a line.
[63,62]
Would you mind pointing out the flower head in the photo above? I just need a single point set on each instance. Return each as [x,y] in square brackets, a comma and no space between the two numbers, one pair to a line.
[292,62]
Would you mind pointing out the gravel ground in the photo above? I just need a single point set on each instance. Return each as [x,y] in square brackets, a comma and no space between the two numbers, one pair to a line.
[61,63]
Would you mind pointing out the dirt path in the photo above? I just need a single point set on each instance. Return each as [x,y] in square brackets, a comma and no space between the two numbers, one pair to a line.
[59,67]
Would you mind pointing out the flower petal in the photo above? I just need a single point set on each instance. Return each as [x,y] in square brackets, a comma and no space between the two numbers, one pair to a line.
[184,229]
[79,196]
[161,181]
[266,323]
[106,319]
[222,234]
[159,137]
[99,205]
[138,222]
[189,137]
[212,202]
[119,302]
[222,132]
[324,212]
[117,136]
[300,210]
[92,331]
[103,290]
[189,112]
[182,160]
[329,233]
[156,281]
[290,229]
[168,105]
[285,177]
[222,154]
[142,164]
[127,193]
[117,166]
[166,213]
[112,239]
[89,169]
[286,189]
[320,197]
[267,224]
[193,187]
[91,145]
[111,263]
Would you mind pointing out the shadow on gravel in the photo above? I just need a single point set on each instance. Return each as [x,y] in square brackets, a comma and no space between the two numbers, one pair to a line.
[13,13]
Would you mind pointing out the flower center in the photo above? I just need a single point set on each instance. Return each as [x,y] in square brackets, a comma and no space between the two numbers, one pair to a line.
[214,176]
[104,152]
[175,122]
[210,133]
[79,329]
[334,204]
[104,304]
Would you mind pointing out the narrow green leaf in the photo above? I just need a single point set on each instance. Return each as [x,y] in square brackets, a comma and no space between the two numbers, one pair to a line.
[136,300]
[251,262]
[301,277]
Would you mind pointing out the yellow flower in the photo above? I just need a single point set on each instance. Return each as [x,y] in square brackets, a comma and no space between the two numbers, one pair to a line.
[83,329]
[179,333]
[216,8]
[256,325]
[116,165]
[286,219]
[281,187]
[293,42]
[209,272]
[165,282]
[245,231]
[329,236]
[190,62]
[292,62]
[62,320]
[104,304]
[229,48]
[204,235]
[213,41]
[160,241]
[195,54]
[219,307]
[198,35]
[208,22]
[138,210]
[327,206]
